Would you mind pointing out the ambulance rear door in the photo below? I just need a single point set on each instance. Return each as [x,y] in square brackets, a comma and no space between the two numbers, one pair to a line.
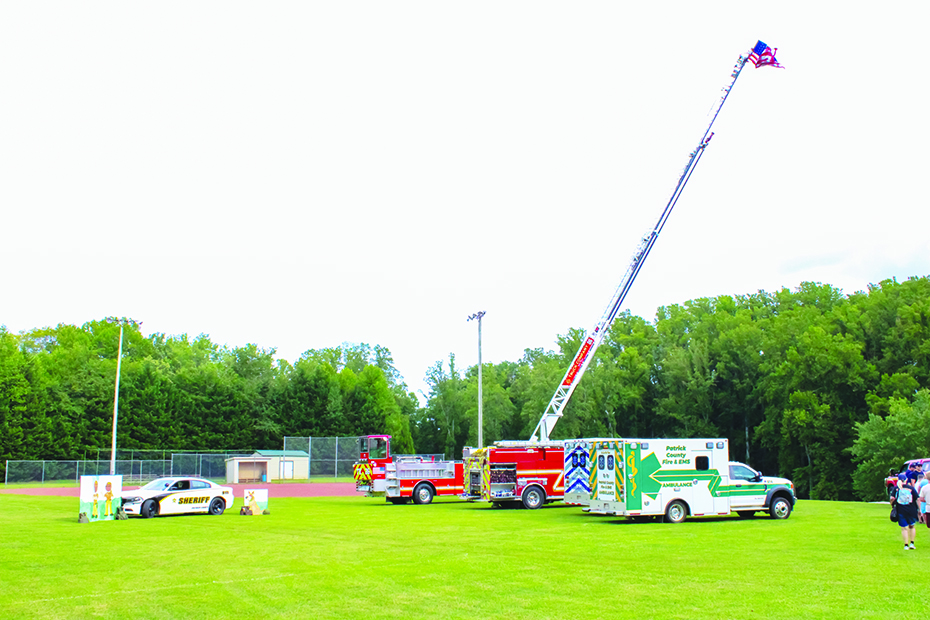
[608,472]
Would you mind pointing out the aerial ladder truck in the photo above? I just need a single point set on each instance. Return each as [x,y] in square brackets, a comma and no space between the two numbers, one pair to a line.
[540,470]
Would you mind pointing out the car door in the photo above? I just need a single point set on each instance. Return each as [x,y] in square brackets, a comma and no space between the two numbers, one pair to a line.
[184,498]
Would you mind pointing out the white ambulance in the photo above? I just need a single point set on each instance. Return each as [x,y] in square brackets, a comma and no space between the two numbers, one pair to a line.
[678,478]
[578,471]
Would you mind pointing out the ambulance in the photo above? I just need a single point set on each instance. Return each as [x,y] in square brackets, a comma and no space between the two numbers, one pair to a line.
[680,478]
[577,470]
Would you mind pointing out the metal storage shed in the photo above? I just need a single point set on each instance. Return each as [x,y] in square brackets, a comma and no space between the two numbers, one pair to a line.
[266,465]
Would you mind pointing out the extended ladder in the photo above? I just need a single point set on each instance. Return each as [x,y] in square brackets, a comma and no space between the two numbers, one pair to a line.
[594,337]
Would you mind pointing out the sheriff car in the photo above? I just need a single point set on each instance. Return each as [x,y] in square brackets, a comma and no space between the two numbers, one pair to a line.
[172,496]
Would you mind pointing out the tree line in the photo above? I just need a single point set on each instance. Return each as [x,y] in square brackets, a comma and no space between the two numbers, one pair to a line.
[826,389]
[57,388]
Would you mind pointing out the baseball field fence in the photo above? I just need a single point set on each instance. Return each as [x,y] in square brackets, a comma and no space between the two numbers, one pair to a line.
[329,457]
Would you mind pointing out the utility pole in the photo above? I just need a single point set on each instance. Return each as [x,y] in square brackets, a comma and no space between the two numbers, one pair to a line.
[119,358]
[480,400]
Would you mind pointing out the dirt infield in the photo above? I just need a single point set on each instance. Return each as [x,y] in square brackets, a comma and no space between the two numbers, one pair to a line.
[294,489]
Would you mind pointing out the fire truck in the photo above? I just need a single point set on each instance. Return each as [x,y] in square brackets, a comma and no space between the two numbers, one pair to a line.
[402,478]
[542,469]
[536,472]
[516,471]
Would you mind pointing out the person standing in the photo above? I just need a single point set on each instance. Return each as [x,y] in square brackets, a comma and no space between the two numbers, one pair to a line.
[906,501]
[923,495]
[912,468]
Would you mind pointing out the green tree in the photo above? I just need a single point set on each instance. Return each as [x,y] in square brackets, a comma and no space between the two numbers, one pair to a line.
[885,443]
[444,420]
[805,353]
[15,397]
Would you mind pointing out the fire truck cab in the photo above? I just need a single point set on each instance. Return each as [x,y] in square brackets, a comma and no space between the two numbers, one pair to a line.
[406,477]
[374,453]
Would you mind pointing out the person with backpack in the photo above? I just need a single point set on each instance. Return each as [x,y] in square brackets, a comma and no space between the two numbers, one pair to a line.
[923,493]
[906,505]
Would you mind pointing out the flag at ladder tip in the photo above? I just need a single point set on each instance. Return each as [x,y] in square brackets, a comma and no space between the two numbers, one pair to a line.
[762,55]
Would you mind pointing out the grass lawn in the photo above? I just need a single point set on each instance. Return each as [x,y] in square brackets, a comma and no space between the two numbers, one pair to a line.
[362,558]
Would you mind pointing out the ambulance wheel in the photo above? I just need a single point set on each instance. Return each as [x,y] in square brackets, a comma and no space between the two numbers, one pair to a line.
[217,506]
[533,498]
[422,494]
[150,509]
[780,508]
[676,512]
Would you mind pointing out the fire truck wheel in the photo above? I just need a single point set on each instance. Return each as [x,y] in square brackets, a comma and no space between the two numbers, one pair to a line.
[676,512]
[533,498]
[423,493]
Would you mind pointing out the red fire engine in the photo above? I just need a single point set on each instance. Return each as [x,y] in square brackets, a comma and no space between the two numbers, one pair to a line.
[403,477]
[516,471]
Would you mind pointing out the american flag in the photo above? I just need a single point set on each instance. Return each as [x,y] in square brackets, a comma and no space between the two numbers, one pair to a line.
[762,55]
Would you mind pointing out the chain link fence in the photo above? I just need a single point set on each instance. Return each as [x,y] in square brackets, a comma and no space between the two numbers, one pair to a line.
[330,457]
[137,468]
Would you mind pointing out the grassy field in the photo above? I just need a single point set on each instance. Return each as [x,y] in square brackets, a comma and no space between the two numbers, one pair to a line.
[361,558]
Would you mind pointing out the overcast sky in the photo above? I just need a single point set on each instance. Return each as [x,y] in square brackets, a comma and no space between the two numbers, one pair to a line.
[302,174]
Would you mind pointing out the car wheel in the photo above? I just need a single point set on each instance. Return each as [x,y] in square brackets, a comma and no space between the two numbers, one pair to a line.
[423,494]
[676,512]
[533,498]
[217,506]
[780,508]
[150,509]
[745,514]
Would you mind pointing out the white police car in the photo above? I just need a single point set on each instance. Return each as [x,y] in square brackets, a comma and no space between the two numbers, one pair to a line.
[172,496]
